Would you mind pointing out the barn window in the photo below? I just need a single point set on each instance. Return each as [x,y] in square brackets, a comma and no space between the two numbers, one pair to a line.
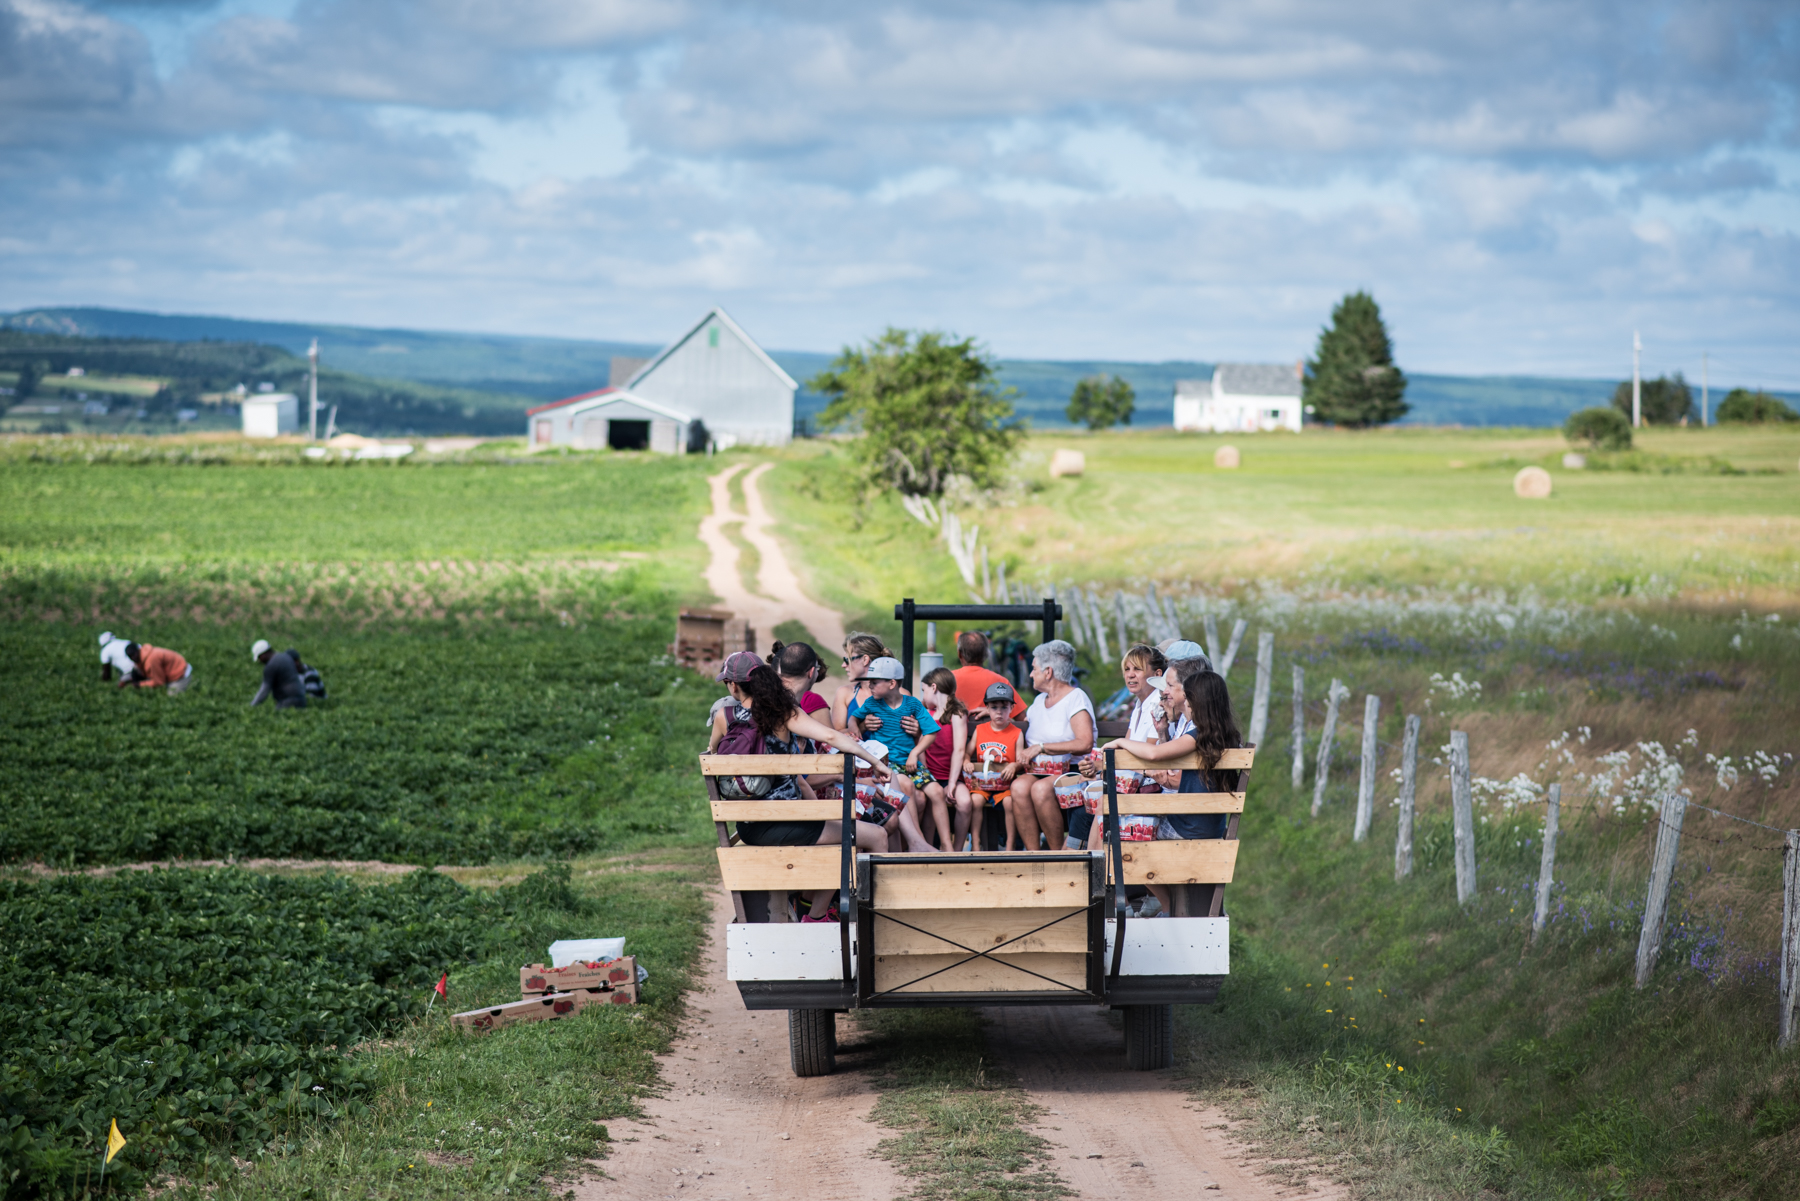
[712,335]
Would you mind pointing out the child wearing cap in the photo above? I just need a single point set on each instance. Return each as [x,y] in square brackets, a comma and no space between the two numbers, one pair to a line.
[889,702]
[995,744]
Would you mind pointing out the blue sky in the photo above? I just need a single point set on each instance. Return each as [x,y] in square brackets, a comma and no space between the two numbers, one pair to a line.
[1519,184]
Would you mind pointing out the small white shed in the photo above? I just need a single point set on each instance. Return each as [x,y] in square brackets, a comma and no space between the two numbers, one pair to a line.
[1241,398]
[271,414]
[611,418]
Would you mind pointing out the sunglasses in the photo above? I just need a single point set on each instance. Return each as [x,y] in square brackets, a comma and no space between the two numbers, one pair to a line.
[848,659]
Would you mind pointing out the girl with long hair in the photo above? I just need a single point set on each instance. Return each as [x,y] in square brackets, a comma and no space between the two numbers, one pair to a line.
[944,758]
[1200,720]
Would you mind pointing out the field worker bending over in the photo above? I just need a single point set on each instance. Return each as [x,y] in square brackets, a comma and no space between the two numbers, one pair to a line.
[281,677]
[113,658]
[1200,705]
[157,666]
[1058,726]
[889,704]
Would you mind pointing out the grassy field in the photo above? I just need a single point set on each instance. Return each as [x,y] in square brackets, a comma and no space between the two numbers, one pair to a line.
[494,637]
[1432,1050]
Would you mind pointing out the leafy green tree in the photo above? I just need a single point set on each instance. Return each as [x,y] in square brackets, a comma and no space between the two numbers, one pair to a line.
[1352,379]
[1101,402]
[1754,408]
[928,407]
[1663,400]
[1601,429]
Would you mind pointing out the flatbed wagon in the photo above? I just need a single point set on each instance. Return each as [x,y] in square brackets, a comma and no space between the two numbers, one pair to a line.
[974,928]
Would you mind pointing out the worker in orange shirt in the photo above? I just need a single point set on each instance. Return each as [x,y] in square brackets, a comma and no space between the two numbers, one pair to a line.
[158,666]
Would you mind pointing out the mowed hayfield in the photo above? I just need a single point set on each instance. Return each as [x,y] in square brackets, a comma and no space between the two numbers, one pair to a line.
[1632,634]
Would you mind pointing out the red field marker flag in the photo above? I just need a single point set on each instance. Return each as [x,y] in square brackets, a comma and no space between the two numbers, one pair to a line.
[440,989]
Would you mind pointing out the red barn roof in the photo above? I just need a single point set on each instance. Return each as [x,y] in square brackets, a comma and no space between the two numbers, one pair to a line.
[568,400]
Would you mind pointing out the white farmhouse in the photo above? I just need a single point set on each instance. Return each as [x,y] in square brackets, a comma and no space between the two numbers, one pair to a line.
[1241,397]
[271,414]
[612,418]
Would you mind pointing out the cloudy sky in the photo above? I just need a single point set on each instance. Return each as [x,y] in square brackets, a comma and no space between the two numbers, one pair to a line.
[1520,184]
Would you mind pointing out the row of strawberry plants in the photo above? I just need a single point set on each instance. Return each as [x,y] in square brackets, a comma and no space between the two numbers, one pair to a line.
[215,1010]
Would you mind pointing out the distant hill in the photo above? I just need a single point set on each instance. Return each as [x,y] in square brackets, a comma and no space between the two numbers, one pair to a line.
[499,375]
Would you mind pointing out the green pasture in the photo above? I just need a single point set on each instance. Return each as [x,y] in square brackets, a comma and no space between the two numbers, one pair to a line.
[1538,1070]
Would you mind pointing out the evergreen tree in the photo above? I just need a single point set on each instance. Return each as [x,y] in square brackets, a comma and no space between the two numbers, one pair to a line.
[1101,402]
[1352,379]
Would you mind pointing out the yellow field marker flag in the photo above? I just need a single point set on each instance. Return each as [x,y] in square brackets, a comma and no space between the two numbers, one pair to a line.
[115,1142]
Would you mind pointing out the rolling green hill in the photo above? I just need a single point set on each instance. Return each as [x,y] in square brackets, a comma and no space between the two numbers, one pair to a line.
[486,375]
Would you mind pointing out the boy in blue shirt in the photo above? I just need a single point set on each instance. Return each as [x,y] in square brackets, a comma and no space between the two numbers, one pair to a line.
[887,702]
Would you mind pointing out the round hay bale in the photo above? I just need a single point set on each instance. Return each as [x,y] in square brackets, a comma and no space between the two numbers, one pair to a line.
[1226,457]
[1532,483]
[1574,462]
[1067,462]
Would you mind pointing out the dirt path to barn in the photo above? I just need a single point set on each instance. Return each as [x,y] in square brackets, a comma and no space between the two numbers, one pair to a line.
[735,1122]
[775,596]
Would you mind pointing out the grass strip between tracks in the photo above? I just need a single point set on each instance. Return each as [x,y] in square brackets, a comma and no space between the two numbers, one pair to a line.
[959,1122]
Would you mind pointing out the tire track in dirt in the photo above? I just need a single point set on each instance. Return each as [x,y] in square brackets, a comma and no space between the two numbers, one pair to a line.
[1124,1134]
[734,1122]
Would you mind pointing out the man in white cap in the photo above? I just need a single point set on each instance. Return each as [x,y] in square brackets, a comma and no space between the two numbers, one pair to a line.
[112,655]
[281,677]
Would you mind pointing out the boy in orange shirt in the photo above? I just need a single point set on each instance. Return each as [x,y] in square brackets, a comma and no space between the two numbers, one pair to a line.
[995,741]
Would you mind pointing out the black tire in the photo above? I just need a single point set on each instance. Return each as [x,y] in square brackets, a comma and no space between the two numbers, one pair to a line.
[1149,1037]
[812,1041]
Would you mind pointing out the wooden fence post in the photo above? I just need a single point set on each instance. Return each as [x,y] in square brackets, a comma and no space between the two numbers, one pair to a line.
[1322,771]
[1223,666]
[1299,727]
[1119,621]
[1462,809]
[1789,976]
[1153,617]
[1365,788]
[1092,604]
[1265,669]
[1409,774]
[1547,865]
[1662,874]
[1211,625]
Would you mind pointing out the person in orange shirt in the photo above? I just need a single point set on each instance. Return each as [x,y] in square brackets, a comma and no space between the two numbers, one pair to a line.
[973,680]
[993,745]
[158,666]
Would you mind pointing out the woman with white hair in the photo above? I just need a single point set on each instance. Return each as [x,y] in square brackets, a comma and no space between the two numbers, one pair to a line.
[1060,723]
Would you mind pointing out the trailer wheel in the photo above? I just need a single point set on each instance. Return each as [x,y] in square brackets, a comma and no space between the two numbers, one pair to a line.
[1149,1037]
[812,1041]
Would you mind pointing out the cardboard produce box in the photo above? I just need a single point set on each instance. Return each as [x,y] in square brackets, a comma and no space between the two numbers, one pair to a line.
[536,980]
[536,1009]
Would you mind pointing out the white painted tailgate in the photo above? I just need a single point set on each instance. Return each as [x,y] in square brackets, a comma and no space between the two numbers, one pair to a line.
[1173,946]
[785,951]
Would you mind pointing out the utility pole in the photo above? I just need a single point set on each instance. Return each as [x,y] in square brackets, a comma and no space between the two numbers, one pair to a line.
[1637,386]
[312,392]
[1703,419]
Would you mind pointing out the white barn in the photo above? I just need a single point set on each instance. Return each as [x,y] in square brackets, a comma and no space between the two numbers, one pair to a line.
[612,418]
[716,373]
[1241,398]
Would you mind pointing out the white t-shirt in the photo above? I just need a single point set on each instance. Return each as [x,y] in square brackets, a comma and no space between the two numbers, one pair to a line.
[114,653]
[1143,720]
[1045,724]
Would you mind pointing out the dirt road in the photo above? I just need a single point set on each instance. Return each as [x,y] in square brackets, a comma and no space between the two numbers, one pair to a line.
[734,1121]
[776,595]
[1123,1134]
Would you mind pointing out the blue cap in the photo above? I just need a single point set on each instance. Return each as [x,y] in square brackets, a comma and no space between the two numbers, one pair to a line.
[1184,649]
